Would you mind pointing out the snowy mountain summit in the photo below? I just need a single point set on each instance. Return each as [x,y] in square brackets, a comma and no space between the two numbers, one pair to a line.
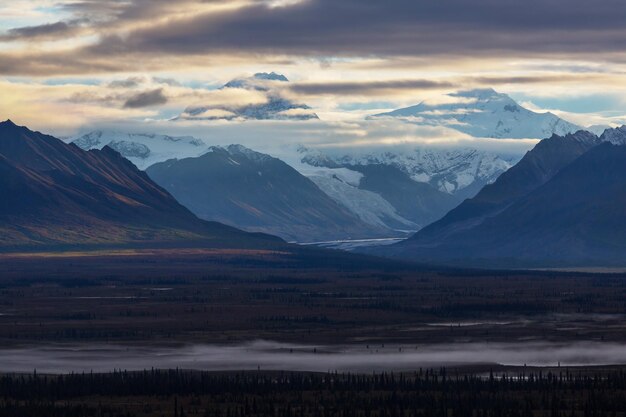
[616,136]
[275,106]
[256,81]
[484,113]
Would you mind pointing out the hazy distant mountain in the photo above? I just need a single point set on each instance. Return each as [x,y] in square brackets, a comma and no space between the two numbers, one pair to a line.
[256,192]
[276,106]
[484,113]
[58,196]
[142,149]
[562,204]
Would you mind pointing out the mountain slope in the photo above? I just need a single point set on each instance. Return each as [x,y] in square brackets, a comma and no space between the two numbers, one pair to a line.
[454,171]
[342,185]
[61,196]
[485,113]
[576,218]
[534,169]
[616,136]
[401,188]
[415,201]
[256,192]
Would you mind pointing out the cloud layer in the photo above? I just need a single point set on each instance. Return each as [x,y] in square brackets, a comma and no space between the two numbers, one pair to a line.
[323,28]
[108,61]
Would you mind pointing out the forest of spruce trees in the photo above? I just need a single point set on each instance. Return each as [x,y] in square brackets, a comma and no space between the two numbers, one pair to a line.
[428,393]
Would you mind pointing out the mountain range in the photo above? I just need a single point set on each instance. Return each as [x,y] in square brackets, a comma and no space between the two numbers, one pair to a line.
[562,204]
[397,189]
[390,193]
[461,171]
[333,194]
[60,196]
[418,184]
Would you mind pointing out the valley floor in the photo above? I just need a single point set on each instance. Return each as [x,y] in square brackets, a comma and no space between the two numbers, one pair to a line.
[303,332]
[307,297]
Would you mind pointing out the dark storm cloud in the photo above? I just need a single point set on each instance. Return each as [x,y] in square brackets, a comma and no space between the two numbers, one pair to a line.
[365,87]
[127,83]
[386,87]
[535,79]
[396,27]
[51,30]
[145,99]
[326,28]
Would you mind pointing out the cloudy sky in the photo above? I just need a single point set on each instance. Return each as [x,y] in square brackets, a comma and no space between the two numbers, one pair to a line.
[70,65]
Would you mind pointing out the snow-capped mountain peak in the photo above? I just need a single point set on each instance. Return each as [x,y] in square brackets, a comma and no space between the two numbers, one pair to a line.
[616,136]
[275,107]
[257,82]
[484,113]
[480,94]
[237,150]
[252,155]
[598,130]
[270,76]
[143,149]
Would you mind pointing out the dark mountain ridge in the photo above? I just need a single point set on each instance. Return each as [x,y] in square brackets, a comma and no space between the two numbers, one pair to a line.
[254,191]
[538,165]
[57,195]
[561,205]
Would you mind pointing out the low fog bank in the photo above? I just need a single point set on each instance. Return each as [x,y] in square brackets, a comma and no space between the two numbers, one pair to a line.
[65,358]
